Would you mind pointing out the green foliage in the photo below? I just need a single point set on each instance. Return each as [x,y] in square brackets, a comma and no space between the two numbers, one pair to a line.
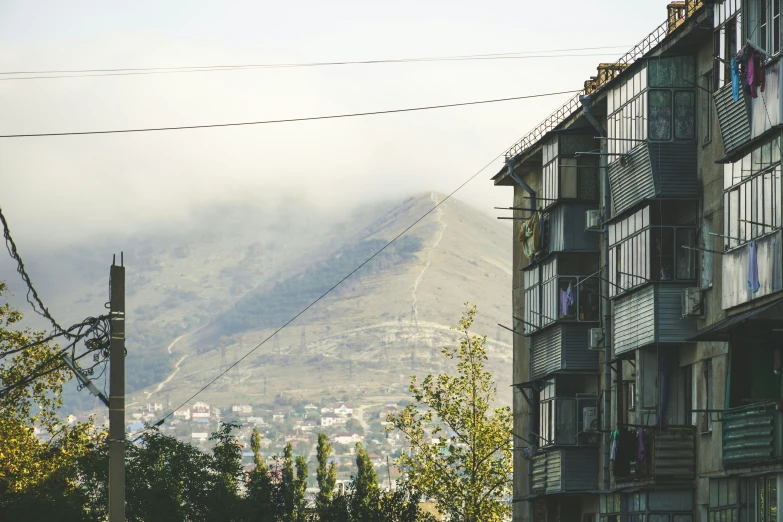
[271,308]
[468,470]
[326,475]
[354,425]
[33,471]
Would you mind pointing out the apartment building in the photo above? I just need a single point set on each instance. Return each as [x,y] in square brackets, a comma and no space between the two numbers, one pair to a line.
[648,272]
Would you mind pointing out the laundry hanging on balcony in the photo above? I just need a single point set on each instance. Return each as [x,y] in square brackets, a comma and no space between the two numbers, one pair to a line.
[735,78]
[530,235]
[751,64]
[566,300]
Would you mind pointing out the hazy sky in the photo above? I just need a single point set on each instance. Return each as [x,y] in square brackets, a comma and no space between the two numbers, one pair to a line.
[54,189]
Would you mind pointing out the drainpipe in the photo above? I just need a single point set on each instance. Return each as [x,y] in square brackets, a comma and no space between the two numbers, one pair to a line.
[532,404]
[515,177]
[603,161]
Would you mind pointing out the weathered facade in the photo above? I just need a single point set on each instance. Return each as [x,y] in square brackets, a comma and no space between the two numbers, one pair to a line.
[648,281]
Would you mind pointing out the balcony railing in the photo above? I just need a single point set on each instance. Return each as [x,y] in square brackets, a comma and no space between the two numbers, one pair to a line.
[670,458]
[752,435]
[607,72]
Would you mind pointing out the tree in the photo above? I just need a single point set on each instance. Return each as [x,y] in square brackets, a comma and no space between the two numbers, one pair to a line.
[326,475]
[467,469]
[300,486]
[32,469]
[260,492]
[365,486]
[354,425]
[226,473]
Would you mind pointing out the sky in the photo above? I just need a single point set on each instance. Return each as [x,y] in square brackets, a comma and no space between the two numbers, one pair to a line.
[65,189]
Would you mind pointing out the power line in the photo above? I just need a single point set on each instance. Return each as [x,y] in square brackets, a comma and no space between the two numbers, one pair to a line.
[31,291]
[287,120]
[126,71]
[332,288]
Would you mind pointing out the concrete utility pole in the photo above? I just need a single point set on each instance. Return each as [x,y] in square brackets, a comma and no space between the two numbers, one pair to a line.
[117,393]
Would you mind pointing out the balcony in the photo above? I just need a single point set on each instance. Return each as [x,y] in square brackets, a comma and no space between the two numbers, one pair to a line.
[752,435]
[670,458]
[565,470]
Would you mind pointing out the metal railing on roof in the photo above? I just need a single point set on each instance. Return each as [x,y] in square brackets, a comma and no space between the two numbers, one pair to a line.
[607,72]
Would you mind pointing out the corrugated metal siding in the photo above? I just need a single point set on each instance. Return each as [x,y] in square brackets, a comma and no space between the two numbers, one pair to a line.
[634,320]
[749,435]
[580,469]
[671,326]
[674,455]
[674,167]
[562,347]
[633,182]
[539,472]
[576,352]
[546,351]
[733,118]
[554,473]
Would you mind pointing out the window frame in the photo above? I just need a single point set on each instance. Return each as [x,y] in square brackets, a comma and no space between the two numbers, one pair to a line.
[763,16]
[673,114]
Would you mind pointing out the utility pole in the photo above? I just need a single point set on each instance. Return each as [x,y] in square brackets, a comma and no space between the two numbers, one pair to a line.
[117,393]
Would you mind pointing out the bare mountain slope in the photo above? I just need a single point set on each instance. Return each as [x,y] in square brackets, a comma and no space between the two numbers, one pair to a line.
[365,339]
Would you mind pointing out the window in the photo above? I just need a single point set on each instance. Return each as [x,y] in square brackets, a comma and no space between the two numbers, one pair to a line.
[723,504]
[672,118]
[609,507]
[763,27]
[641,250]
[554,291]
[752,195]
[686,376]
[627,110]
[707,377]
[547,418]
[637,507]
[660,114]
[569,178]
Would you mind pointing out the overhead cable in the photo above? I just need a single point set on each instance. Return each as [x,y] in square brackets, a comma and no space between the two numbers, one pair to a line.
[126,71]
[286,120]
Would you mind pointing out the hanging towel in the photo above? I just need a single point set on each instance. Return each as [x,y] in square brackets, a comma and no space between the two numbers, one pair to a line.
[755,73]
[613,451]
[753,267]
[530,235]
[735,78]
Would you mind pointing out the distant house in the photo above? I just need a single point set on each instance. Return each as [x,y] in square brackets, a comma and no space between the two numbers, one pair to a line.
[311,407]
[199,410]
[199,436]
[331,419]
[182,414]
[258,421]
[350,437]
[278,416]
[242,410]
[305,426]
[154,406]
[343,409]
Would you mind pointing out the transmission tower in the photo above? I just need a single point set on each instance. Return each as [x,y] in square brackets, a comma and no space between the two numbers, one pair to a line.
[303,341]
[235,368]
[223,364]
[277,344]
[414,333]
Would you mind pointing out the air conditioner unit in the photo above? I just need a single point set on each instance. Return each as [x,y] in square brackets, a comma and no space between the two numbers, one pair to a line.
[596,339]
[691,302]
[590,418]
[592,220]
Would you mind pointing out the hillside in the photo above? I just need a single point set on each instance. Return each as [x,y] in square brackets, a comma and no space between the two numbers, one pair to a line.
[202,293]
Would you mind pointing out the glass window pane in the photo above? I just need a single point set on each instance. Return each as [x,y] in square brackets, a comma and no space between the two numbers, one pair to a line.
[732,491]
[660,115]
[714,493]
[566,421]
[722,493]
[772,498]
[658,517]
[686,258]
[684,115]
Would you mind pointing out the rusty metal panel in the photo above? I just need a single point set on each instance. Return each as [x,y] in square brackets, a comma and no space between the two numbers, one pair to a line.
[634,320]
[674,455]
[631,179]
[735,271]
[733,118]
[751,434]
